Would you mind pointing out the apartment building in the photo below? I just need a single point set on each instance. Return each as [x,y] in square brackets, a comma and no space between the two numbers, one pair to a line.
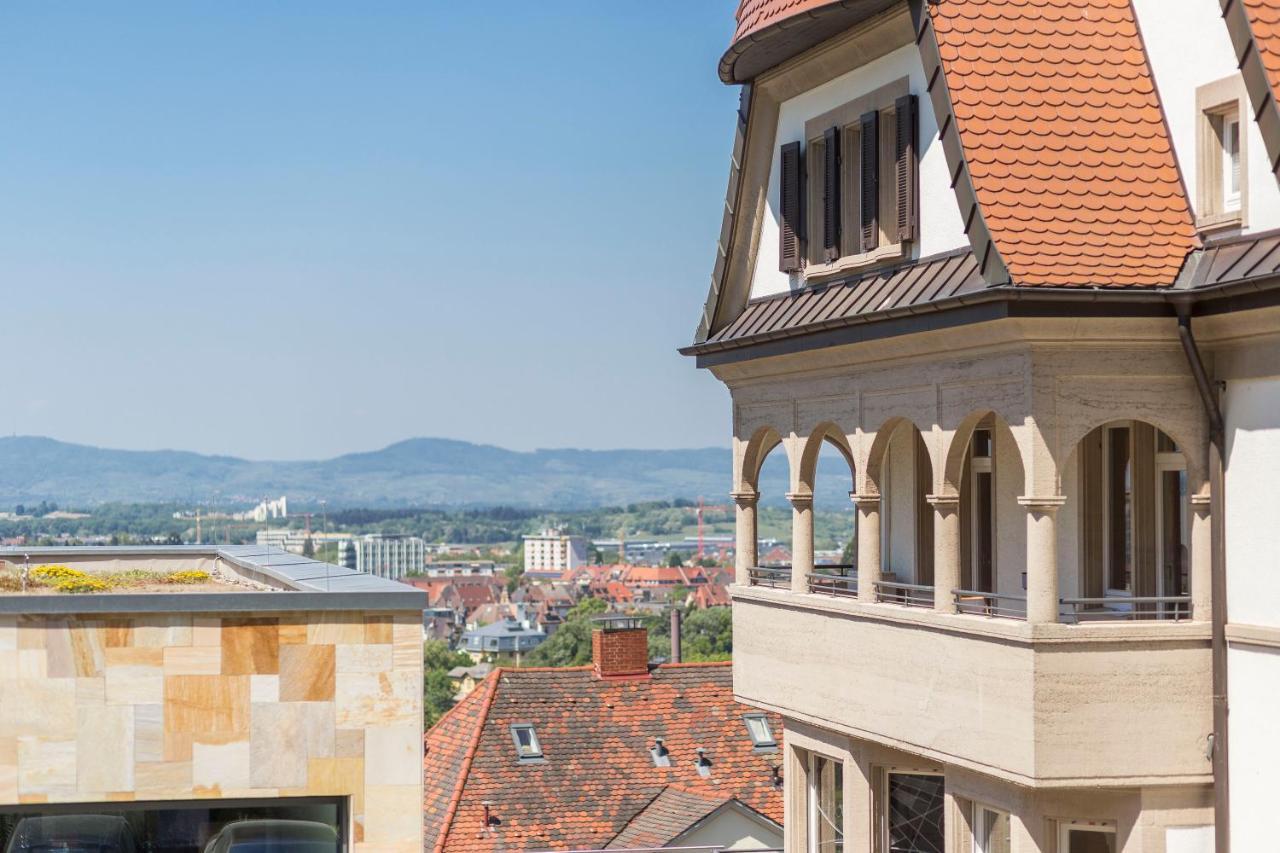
[199,698]
[384,555]
[553,552]
[1016,263]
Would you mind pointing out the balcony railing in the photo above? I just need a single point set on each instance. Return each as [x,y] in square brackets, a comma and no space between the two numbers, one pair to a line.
[838,580]
[775,577]
[1175,608]
[980,603]
[910,594]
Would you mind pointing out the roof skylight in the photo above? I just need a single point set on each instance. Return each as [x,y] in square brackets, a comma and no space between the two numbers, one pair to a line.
[528,747]
[758,728]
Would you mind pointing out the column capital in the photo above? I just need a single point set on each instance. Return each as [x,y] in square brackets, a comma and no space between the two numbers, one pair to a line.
[800,500]
[943,502]
[1042,503]
[745,498]
[868,501]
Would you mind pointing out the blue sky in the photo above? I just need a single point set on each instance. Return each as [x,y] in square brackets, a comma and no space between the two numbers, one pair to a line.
[293,230]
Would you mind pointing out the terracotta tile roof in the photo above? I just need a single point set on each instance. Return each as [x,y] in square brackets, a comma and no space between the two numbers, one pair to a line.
[1264,20]
[1065,140]
[754,15]
[667,816]
[597,776]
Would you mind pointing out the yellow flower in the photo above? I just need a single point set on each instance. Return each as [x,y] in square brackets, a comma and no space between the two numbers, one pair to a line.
[187,576]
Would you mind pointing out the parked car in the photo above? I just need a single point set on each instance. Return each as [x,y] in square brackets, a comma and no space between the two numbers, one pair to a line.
[274,836]
[76,833]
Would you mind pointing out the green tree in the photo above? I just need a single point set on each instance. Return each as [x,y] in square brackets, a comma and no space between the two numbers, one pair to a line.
[674,560]
[436,654]
[570,645]
[513,573]
[850,554]
[437,695]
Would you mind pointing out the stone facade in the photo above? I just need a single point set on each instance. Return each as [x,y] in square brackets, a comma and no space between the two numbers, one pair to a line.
[176,706]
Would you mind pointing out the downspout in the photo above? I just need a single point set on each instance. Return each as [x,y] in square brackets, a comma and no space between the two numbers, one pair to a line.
[1218,578]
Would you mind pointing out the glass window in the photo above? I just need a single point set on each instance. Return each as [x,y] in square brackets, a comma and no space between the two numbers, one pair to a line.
[1087,838]
[1231,161]
[526,740]
[301,825]
[826,804]
[914,813]
[1119,511]
[990,830]
[758,728]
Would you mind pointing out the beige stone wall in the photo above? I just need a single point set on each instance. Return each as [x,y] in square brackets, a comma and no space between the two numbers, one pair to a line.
[180,706]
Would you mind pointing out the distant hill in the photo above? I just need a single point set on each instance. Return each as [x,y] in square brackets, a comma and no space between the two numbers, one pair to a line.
[418,472]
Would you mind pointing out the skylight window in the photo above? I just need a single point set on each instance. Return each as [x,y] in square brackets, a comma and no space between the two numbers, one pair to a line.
[758,728]
[528,747]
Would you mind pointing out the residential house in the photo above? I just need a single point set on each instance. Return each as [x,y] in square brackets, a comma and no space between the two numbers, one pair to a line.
[510,637]
[617,754]
[183,688]
[466,678]
[552,552]
[1016,263]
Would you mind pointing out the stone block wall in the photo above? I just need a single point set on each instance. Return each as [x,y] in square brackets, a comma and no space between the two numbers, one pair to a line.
[187,706]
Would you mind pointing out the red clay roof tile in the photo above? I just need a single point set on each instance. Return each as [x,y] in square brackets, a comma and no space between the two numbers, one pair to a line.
[755,15]
[1264,20]
[1065,140]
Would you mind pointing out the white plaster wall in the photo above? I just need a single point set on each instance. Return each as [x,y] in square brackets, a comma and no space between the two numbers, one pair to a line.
[901,559]
[1252,411]
[730,829]
[1189,46]
[941,228]
[1254,693]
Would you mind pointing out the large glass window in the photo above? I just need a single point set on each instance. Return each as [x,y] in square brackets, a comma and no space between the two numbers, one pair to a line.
[913,813]
[825,804]
[1086,838]
[302,825]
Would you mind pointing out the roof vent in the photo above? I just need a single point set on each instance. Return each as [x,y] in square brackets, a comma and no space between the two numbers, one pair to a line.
[660,754]
[703,763]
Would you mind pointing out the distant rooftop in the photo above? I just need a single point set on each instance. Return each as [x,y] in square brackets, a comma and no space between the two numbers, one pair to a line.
[187,577]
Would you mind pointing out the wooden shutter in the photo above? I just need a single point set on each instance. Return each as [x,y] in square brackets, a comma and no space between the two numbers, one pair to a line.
[831,194]
[869,168]
[905,167]
[1092,483]
[924,513]
[791,230]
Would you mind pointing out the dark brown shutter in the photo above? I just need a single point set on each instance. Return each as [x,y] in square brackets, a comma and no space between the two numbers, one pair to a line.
[868,218]
[831,194]
[791,185]
[904,152]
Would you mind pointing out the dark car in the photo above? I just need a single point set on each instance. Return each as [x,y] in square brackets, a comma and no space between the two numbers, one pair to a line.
[74,833]
[274,836]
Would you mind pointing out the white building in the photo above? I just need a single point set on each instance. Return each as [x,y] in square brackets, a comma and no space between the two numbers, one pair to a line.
[295,541]
[460,568]
[386,556]
[553,551]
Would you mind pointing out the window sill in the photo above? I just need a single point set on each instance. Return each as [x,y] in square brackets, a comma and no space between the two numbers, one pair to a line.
[1214,222]
[814,273]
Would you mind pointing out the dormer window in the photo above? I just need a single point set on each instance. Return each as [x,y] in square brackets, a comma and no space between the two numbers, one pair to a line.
[1221,156]
[849,191]
[528,748]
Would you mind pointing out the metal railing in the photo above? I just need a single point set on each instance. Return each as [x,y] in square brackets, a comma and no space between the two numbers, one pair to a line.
[910,594]
[980,603]
[839,580]
[776,577]
[1173,608]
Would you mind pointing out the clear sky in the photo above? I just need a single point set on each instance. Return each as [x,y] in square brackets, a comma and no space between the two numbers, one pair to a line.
[299,229]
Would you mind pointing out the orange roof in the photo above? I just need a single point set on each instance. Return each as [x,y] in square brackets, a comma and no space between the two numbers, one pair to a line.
[1065,140]
[1264,20]
[755,15]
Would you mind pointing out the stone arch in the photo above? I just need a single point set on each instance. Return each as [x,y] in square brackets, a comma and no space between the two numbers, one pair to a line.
[1189,442]
[827,432]
[758,447]
[956,451]
[870,480]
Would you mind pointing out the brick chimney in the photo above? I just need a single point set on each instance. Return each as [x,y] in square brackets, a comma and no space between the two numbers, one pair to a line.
[620,647]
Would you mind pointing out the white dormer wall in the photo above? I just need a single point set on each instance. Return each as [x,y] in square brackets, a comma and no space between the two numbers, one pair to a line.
[940,227]
[1188,47]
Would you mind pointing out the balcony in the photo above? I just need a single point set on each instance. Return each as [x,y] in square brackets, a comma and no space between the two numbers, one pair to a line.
[1106,696]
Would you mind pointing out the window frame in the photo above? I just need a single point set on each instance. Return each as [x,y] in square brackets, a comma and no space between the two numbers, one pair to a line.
[760,746]
[1065,827]
[881,806]
[846,117]
[810,758]
[1217,103]
[981,821]
[537,754]
[978,467]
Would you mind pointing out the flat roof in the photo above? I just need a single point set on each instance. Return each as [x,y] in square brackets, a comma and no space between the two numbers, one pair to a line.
[258,578]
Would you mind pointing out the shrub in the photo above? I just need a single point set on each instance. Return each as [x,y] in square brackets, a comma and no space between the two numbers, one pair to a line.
[85,583]
[53,574]
[187,576]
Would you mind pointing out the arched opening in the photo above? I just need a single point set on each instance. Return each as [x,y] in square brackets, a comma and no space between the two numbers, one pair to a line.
[767,473]
[985,468]
[827,470]
[1131,526]
[902,472]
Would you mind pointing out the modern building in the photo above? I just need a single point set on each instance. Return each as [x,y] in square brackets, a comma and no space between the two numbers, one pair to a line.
[384,555]
[618,754]
[459,568]
[1016,262]
[154,697]
[510,637]
[294,540]
[552,552]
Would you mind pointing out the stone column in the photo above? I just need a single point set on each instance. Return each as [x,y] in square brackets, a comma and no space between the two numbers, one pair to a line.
[744,552]
[946,550]
[1042,556]
[801,539]
[868,544]
[1200,554]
